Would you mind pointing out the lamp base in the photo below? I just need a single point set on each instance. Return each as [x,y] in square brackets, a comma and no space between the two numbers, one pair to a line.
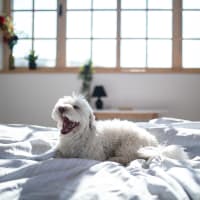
[99,104]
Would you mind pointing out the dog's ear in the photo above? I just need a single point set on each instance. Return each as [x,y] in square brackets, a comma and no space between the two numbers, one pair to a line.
[91,121]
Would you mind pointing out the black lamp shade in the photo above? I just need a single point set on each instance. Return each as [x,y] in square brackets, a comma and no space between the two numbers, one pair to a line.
[99,92]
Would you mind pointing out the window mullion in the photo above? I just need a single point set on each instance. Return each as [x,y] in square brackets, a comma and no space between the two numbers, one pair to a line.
[91,31]
[33,27]
[61,34]
[118,34]
[177,35]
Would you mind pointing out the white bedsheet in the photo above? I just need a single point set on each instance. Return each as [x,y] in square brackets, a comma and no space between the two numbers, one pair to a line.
[28,171]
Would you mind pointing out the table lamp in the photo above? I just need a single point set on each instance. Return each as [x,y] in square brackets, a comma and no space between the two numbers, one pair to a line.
[99,92]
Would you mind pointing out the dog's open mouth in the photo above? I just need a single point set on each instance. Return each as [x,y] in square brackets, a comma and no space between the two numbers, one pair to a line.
[68,125]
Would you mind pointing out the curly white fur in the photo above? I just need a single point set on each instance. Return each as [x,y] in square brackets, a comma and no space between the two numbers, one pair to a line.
[115,140]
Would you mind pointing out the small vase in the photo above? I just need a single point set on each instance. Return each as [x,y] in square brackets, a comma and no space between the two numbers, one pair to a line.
[11,62]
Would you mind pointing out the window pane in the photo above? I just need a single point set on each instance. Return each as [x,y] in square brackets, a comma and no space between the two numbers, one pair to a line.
[191,28]
[78,24]
[160,24]
[46,4]
[23,28]
[133,4]
[21,50]
[191,49]
[104,53]
[104,24]
[104,4]
[78,52]
[191,4]
[46,51]
[133,24]
[78,4]
[22,4]
[158,4]
[133,53]
[45,24]
[159,53]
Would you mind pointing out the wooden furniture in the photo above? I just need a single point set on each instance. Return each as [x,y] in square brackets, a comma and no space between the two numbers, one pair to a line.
[126,114]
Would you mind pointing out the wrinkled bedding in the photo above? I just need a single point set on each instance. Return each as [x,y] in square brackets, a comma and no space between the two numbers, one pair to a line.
[29,171]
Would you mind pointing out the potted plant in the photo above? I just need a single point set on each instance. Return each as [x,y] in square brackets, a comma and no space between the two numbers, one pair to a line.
[32,60]
[86,74]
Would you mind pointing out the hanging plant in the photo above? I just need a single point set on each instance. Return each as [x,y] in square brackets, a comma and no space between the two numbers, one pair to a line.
[86,75]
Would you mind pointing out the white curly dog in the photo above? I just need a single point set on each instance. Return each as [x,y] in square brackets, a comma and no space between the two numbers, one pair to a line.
[81,136]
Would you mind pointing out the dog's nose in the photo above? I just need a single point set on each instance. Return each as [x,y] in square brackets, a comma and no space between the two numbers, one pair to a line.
[62,110]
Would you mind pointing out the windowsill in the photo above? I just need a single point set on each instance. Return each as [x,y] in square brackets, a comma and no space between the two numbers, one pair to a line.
[98,70]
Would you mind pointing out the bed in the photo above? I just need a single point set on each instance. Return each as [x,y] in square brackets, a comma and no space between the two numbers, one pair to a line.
[29,171]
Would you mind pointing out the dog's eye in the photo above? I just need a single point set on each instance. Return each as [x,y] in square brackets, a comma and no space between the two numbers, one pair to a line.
[76,107]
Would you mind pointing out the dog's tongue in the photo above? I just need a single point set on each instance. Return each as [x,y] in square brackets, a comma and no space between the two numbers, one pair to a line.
[66,125]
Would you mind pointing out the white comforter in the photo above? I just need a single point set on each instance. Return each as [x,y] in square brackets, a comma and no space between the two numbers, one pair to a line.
[28,171]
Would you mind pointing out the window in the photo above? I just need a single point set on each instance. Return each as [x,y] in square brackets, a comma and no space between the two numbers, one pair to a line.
[191,33]
[36,24]
[91,32]
[146,28]
[118,36]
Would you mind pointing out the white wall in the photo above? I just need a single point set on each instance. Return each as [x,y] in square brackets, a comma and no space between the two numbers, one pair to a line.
[29,98]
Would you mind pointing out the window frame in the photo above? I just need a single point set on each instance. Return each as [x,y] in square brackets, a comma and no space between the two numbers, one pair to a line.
[61,49]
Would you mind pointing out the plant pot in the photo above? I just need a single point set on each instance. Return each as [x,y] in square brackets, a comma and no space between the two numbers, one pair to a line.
[32,65]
